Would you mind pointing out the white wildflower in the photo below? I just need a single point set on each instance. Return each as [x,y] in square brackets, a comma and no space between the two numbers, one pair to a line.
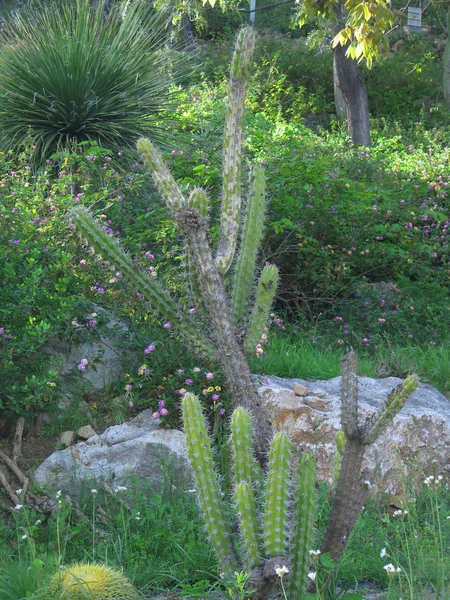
[314,552]
[280,571]
[58,494]
[18,506]
[24,537]
[19,491]
[383,552]
[312,575]
[389,568]
[120,488]
[93,492]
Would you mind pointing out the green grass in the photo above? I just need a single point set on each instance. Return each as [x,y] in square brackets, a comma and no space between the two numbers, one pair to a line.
[302,356]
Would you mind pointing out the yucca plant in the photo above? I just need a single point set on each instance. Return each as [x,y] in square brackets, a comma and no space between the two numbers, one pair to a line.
[70,72]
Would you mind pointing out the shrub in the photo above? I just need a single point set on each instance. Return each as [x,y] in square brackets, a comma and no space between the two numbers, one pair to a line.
[70,73]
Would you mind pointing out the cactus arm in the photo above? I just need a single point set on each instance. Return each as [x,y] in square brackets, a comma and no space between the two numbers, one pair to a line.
[153,293]
[248,524]
[201,458]
[162,177]
[242,442]
[391,406]
[303,526]
[277,496]
[232,149]
[199,200]
[251,238]
[349,396]
[265,293]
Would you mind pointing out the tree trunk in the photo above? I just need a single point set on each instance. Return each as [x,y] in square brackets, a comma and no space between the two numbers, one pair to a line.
[446,60]
[339,102]
[351,84]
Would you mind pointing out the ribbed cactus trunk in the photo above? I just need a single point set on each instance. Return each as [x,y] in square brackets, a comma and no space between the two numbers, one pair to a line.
[230,355]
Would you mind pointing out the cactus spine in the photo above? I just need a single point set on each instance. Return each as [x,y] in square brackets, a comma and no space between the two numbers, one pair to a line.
[200,456]
[232,148]
[304,513]
[277,495]
[251,238]
[265,293]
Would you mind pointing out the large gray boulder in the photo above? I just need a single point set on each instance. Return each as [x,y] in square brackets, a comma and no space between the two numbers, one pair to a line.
[417,443]
[136,449]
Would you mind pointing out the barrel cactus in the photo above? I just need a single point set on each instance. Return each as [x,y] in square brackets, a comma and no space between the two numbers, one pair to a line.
[84,581]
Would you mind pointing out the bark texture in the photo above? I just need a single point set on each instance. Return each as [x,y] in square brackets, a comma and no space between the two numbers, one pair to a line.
[350,82]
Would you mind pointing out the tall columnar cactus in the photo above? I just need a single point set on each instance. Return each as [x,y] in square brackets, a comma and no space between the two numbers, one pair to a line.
[200,456]
[261,552]
[224,333]
[354,484]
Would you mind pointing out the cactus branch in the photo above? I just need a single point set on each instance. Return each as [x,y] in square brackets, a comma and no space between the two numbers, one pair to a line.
[200,456]
[162,177]
[242,442]
[251,238]
[232,149]
[153,293]
[248,524]
[265,293]
[392,405]
[303,526]
[277,495]
[349,396]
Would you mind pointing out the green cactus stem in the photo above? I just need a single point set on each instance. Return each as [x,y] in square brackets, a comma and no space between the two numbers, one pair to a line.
[242,442]
[390,408]
[201,458]
[162,177]
[277,496]
[248,524]
[199,200]
[265,293]
[153,293]
[349,396]
[251,238]
[303,526]
[232,148]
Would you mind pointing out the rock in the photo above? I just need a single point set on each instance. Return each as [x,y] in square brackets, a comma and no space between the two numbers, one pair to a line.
[417,442]
[299,389]
[85,432]
[138,449]
[105,365]
[67,438]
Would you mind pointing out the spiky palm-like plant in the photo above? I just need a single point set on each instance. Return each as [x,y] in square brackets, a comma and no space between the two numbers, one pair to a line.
[232,326]
[70,73]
